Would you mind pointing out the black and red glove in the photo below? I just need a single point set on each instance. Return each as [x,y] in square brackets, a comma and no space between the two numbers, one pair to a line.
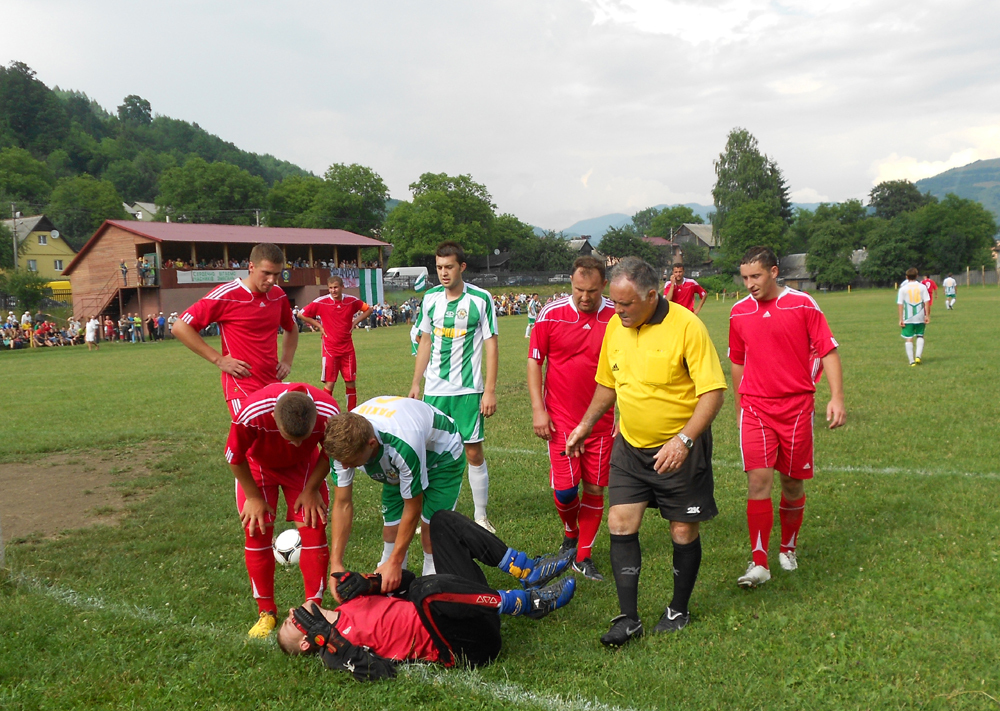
[351,585]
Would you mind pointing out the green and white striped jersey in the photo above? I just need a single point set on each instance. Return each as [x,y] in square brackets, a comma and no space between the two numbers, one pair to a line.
[458,329]
[912,296]
[414,438]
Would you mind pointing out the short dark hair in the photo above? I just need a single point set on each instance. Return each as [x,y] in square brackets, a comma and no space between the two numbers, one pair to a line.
[334,278]
[588,263]
[637,271]
[764,256]
[911,273]
[450,248]
[266,252]
[295,414]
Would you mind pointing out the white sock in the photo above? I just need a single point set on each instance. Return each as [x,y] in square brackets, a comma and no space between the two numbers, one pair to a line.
[909,350]
[479,482]
[428,564]
[387,549]
[920,346]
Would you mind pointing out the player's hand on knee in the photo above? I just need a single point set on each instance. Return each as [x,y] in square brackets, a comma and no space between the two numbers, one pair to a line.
[313,508]
[254,515]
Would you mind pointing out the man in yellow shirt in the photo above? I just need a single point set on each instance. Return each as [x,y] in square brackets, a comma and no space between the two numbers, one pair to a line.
[660,366]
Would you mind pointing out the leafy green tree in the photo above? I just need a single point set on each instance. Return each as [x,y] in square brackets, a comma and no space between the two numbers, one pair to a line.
[747,225]
[694,255]
[135,110]
[290,198]
[957,233]
[851,214]
[31,116]
[642,221]
[27,287]
[894,197]
[530,252]
[351,197]
[829,258]
[218,193]
[670,219]
[619,242]
[6,248]
[893,247]
[24,179]
[79,205]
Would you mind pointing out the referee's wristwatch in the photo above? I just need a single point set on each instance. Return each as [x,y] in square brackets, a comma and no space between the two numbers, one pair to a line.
[688,442]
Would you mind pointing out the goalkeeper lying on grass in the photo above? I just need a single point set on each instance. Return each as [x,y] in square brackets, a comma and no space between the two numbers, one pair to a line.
[451,618]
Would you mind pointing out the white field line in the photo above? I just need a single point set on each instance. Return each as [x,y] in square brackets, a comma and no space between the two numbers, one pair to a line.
[467,680]
[849,469]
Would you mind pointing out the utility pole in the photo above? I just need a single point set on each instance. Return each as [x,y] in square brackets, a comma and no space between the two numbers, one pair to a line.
[257,213]
[13,215]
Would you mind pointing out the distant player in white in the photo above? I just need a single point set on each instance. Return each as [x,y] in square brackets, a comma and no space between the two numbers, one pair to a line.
[458,326]
[914,304]
[950,287]
[93,326]
[534,306]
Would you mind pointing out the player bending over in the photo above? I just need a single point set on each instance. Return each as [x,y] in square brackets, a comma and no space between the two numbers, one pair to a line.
[274,444]
[451,618]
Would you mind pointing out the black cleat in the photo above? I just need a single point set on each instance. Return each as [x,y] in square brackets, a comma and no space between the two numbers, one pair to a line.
[623,630]
[552,597]
[587,569]
[568,544]
[672,621]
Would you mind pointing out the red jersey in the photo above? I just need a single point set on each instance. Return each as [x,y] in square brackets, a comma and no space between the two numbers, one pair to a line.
[255,434]
[571,341]
[684,294]
[389,626]
[336,317]
[248,323]
[931,287]
[779,343]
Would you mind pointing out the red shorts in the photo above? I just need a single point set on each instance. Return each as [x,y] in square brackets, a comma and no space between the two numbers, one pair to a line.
[291,481]
[345,364]
[234,405]
[777,433]
[592,466]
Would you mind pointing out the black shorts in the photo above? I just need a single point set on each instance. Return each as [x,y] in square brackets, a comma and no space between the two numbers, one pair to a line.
[461,616]
[687,494]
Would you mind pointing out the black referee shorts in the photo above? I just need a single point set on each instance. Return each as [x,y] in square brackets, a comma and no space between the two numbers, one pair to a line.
[686,495]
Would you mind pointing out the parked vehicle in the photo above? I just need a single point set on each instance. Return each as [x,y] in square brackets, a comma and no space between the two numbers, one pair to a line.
[560,279]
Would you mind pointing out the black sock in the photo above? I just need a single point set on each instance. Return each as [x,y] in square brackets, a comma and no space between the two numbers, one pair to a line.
[626,562]
[687,560]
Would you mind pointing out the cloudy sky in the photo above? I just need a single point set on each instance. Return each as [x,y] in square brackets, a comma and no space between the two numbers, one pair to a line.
[564,109]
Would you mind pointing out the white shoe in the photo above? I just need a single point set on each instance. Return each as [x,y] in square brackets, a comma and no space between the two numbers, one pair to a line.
[485,523]
[755,576]
[788,561]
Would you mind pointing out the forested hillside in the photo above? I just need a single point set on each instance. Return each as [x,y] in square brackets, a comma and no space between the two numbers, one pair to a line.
[978,181]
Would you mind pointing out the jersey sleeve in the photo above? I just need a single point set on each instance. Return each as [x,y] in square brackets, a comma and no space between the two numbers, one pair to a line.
[604,375]
[737,346]
[702,360]
[311,310]
[821,339]
[424,323]
[240,439]
[203,312]
[287,318]
[700,291]
[488,323]
[538,345]
[343,475]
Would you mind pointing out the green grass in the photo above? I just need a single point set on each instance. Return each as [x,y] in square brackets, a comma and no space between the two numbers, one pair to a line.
[894,605]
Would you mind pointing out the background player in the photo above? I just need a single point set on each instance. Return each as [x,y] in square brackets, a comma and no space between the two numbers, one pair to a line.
[534,306]
[569,333]
[682,291]
[950,291]
[336,315]
[931,288]
[776,335]
[249,312]
[458,324]
[417,454]
[914,308]
[274,443]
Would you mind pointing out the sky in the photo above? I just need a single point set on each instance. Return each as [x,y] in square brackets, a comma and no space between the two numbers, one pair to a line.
[564,109]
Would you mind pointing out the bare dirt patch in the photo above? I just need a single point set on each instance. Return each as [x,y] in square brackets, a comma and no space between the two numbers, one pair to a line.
[57,492]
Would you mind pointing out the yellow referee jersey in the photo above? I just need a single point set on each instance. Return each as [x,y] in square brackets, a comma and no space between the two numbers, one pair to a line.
[658,372]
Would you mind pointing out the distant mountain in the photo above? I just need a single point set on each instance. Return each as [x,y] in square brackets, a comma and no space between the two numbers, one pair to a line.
[978,181]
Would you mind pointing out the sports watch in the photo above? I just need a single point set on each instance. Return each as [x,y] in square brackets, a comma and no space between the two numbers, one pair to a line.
[688,442]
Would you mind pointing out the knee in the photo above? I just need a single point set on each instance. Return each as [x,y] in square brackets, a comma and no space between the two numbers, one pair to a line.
[620,525]
[566,496]
[593,489]
[475,455]
[683,532]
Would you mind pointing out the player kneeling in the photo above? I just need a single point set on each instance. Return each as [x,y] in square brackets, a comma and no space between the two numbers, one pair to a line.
[450,618]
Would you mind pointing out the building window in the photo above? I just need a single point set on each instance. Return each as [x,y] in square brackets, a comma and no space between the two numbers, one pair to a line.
[43,239]
[57,264]
[32,265]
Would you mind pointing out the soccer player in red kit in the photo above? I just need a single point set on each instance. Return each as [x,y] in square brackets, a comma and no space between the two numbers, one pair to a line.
[569,332]
[249,312]
[931,288]
[682,291]
[275,443]
[336,315]
[779,343]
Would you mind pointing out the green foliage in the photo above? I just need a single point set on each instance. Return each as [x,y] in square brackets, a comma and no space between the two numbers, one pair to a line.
[135,110]
[747,225]
[621,242]
[24,180]
[717,283]
[956,233]
[290,198]
[350,197]
[27,287]
[893,247]
[694,255]
[30,114]
[79,205]
[979,181]
[642,221]
[829,258]
[894,197]
[218,193]
[670,219]
[6,248]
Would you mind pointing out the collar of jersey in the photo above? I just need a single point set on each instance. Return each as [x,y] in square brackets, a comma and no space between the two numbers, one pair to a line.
[662,309]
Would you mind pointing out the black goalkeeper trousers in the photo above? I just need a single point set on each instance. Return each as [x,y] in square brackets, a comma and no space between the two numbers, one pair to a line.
[457,606]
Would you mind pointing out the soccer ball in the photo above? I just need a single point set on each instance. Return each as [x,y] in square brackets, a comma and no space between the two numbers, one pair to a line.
[287,546]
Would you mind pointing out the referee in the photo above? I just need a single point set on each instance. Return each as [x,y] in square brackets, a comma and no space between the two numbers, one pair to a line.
[660,366]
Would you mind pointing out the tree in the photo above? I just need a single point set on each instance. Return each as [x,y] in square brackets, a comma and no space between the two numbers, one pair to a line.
[6,248]
[894,197]
[670,219]
[642,221]
[290,198]
[528,251]
[829,258]
[350,197]
[747,225]
[956,233]
[745,175]
[694,255]
[31,116]
[24,179]
[79,205]
[619,242]
[27,287]
[218,193]
[135,110]
[893,247]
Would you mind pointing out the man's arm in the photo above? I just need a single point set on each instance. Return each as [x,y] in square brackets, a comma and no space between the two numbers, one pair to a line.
[668,292]
[540,420]
[836,413]
[900,309]
[312,323]
[392,570]
[422,359]
[672,454]
[927,311]
[603,400]
[289,342]
[701,302]
[342,515]
[195,343]
[737,373]
[360,316]
[489,402]
[310,500]
[255,508]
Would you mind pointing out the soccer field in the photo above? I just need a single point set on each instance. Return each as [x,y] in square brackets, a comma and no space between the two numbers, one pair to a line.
[894,605]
